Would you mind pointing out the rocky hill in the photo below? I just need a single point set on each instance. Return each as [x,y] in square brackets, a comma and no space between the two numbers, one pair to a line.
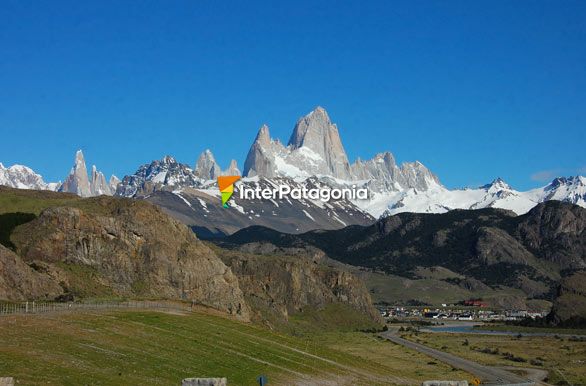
[277,285]
[123,248]
[569,307]
[66,247]
[20,282]
[482,250]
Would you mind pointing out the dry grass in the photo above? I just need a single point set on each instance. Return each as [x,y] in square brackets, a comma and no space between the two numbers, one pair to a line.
[564,358]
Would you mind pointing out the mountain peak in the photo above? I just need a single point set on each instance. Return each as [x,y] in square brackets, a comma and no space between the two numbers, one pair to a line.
[315,125]
[500,183]
[22,177]
[168,159]
[316,132]
[572,180]
[79,158]
[263,136]
[232,169]
[497,184]
[206,166]
[77,181]
[385,157]
[318,112]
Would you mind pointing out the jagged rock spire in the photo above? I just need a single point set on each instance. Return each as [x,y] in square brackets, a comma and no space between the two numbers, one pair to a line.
[208,169]
[232,169]
[77,181]
[316,132]
[261,156]
[206,166]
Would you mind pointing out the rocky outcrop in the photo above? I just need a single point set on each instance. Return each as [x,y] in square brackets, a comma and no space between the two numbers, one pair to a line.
[278,285]
[493,246]
[19,282]
[556,231]
[569,307]
[132,248]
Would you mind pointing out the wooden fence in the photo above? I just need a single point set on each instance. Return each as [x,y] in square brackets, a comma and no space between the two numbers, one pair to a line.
[46,307]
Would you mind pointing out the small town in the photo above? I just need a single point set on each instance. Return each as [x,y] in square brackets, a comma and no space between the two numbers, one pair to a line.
[466,313]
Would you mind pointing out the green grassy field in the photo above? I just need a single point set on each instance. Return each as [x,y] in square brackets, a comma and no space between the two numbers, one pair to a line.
[563,358]
[32,201]
[148,347]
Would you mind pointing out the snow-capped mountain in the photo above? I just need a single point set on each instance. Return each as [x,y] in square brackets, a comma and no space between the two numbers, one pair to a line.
[314,155]
[164,174]
[497,194]
[196,201]
[22,177]
[570,189]
[315,149]
[78,182]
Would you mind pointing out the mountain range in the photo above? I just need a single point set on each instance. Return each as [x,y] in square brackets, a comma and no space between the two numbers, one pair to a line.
[77,181]
[513,262]
[313,156]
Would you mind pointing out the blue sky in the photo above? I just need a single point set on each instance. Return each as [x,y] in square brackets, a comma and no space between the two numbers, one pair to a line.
[474,90]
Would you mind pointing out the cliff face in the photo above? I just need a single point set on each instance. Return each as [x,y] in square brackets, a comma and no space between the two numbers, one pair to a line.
[20,282]
[556,231]
[131,248]
[569,308]
[277,285]
[115,247]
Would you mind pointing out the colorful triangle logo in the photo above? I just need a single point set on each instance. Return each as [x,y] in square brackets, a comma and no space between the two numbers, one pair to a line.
[226,185]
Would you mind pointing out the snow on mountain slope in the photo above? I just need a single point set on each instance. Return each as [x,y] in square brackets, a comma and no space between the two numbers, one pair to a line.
[22,177]
[497,194]
[570,189]
[313,156]
[201,207]
[164,174]
[315,149]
